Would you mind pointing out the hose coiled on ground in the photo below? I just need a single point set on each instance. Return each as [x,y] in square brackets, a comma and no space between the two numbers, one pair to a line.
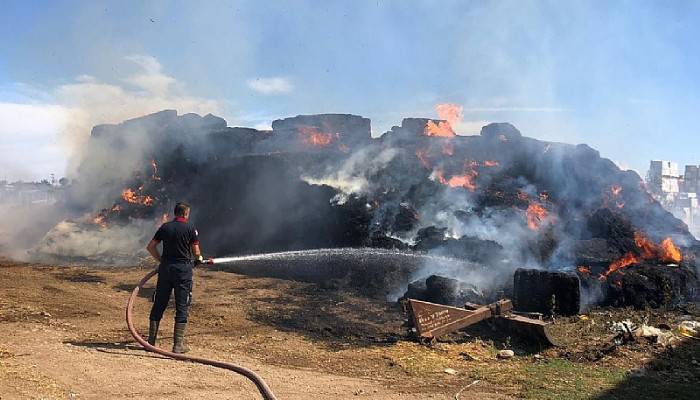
[265,390]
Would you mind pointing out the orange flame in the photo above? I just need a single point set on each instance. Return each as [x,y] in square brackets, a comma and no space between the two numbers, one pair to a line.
[491,163]
[452,113]
[130,196]
[312,136]
[666,252]
[669,252]
[584,270]
[100,219]
[441,129]
[466,181]
[535,214]
[624,262]
[613,197]
[645,246]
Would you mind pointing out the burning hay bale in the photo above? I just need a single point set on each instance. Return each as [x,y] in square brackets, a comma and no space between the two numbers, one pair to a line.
[498,199]
[641,286]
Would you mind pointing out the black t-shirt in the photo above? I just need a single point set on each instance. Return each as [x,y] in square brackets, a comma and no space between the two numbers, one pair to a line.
[177,236]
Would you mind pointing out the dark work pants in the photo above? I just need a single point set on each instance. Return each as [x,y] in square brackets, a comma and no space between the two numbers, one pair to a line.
[171,277]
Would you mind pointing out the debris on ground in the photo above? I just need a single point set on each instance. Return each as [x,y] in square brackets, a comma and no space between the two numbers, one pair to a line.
[309,334]
[690,329]
[469,357]
[506,354]
[450,371]
[656,335]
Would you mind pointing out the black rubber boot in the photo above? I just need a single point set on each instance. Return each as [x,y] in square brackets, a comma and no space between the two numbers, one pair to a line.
[179,345]
[153,332]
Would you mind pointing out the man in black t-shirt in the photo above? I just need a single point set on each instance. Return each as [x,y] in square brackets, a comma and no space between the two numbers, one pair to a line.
[180,253]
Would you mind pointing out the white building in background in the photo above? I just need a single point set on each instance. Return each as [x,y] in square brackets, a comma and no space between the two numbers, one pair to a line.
[663,177]
[677,193]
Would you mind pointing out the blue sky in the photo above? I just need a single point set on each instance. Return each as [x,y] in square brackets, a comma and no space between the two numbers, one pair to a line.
[621,76]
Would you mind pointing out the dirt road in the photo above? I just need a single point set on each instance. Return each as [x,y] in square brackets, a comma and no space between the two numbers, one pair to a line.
[63,336]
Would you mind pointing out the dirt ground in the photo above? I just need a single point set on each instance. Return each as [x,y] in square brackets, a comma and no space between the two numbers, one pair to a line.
[63,336]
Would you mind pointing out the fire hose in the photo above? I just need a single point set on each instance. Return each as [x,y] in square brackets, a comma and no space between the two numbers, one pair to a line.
[265,390]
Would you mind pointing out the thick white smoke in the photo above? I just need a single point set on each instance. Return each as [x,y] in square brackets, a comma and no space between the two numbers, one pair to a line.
[353,175]
[65,121]
[148,89]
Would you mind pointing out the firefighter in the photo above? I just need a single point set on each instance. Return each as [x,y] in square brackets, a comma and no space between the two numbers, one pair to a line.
[180,254]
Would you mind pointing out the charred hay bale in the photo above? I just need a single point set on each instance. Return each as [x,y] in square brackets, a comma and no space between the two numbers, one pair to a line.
[474,249]
[352,130]
[651,286]
[500,131]
[442,290]
[544,244]
[406,218]
[466,247]
[593,252]
[478,248]
[614,227]
[417,290]
[546,292]
[429,238]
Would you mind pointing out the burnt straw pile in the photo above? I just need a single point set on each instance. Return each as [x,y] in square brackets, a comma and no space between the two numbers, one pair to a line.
[498,200]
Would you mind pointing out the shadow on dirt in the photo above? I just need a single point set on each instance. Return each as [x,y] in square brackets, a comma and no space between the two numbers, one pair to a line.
[144,293]
[337,318]
[130,349]
[104,345]
[80,277]
[340,319]
[500,334]
[674,374]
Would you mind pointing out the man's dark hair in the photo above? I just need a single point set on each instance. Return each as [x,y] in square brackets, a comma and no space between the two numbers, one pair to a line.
[181,208]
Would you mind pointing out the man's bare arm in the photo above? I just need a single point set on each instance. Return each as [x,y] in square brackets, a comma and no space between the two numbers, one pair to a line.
[153,249]
[198,259]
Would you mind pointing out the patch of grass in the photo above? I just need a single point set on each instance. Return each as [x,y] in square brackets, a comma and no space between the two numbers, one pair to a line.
[523,377]
[551,379]
[418,360]
[563,379]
